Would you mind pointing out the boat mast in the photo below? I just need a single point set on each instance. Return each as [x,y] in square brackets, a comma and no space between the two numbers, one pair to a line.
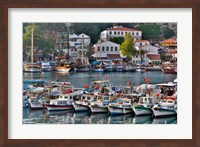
[32,45]
[82,48]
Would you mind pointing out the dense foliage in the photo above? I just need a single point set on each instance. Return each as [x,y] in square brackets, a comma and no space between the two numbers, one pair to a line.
[150,31]
[167,33]
[127,47]
[117,40]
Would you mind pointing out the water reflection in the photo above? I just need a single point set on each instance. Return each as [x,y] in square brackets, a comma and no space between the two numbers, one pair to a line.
[142,119]
[70,117]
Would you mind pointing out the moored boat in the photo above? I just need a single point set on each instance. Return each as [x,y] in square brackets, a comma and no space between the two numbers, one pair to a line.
[140,68]
[46,67]
[31,68]
[35,103]
[118,67]
[166,107]
[64,102]
[83,103]
[63,69]
[101,105]
[120,106]
[144,105]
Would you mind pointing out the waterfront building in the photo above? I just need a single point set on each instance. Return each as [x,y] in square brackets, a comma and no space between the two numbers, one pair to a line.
[170,46]
[152,58]
[74,43]
[170,43]
[120,31]
[102,49]
[141,42]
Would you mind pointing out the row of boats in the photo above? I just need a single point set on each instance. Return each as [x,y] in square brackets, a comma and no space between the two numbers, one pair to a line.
[102,97]
[97,66]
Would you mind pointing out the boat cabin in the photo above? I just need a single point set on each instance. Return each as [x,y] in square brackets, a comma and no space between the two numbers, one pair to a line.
[88,97]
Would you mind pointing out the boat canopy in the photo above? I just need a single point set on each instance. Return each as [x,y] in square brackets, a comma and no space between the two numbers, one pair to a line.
[100,82]
[33,81]
[167,84]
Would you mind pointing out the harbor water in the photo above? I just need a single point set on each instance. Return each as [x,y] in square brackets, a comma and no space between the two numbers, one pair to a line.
[79,80]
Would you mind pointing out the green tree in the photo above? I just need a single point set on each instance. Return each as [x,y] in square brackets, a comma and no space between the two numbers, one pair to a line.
[41,41]
[149,31]
[127,47]
[117,40]
[167,33]
[162,57]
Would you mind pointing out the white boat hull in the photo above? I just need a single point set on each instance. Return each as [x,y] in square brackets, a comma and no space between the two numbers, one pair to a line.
[32,70]
[99,70]
[163,112]
[64,70]
[141,111]
[97,109]
[79,107]
[117,111]
[36,105]
[57,108]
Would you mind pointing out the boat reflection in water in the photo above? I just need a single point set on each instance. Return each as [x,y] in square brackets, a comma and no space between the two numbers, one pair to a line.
[100,118]
[60,117]
[121,119]
[81,118]
[144,119]
[165,120]
[33,116]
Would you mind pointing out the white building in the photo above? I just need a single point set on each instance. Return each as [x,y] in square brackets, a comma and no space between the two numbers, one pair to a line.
[149,49]
[76,43]
[152,58]
[141,42]
[119,31]
[102,49]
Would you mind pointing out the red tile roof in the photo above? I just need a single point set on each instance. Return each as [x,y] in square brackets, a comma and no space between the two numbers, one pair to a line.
[169,41]
[122,29]
[113,56]
[153,56]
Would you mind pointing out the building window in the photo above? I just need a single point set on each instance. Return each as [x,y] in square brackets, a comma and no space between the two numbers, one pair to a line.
[125,32]
[140,43]
[122,33]
[107,48]
[132,33]
[110,32]
[137,33]
[146,43]
[111,48]
[103,48]
[115,48]
[98,49]
[115,32]
[118,33]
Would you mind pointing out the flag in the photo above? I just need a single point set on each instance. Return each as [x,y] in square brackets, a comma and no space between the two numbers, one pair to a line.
[107,77]
[146,80]
[86,86]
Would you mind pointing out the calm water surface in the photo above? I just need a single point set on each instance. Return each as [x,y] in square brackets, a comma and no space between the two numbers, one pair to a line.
[79,80]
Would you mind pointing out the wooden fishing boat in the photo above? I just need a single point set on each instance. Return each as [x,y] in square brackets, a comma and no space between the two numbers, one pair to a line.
[64,102]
